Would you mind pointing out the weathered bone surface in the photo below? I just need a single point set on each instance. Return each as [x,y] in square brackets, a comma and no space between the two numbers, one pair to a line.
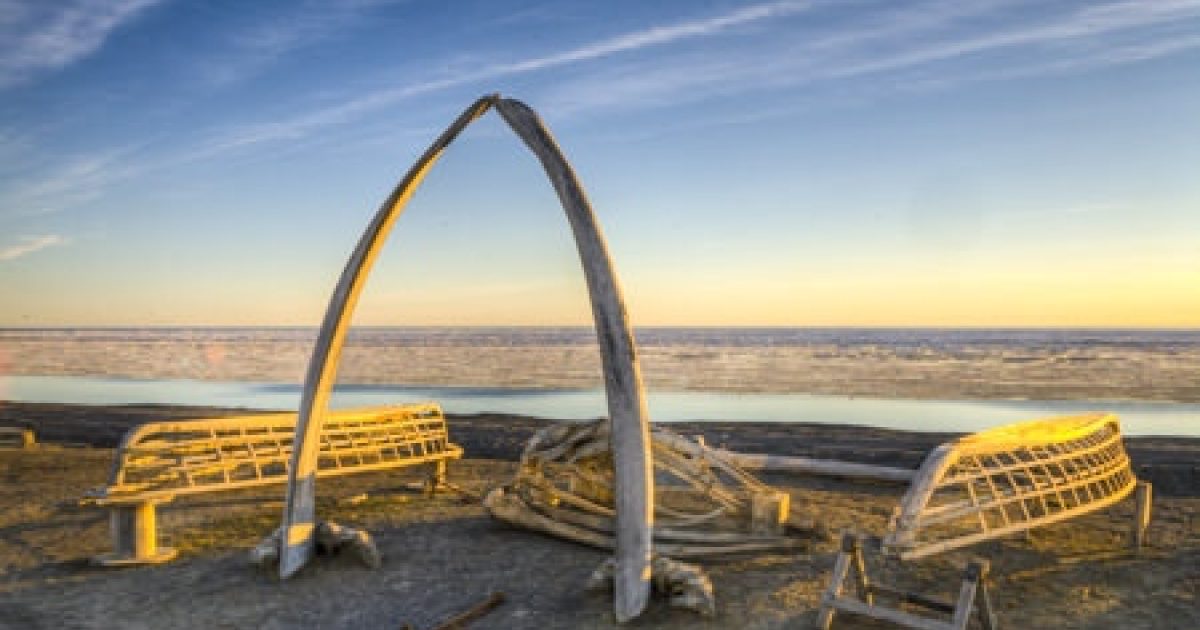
[634,484]
[684,585]
[330,538]
[704,505]
[1011,479]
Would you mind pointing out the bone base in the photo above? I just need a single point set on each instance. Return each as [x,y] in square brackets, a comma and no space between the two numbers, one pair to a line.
[331,539]
[685,585]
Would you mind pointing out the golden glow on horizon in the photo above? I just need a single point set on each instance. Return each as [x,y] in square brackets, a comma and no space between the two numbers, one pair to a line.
[1101,299]
[1162,300]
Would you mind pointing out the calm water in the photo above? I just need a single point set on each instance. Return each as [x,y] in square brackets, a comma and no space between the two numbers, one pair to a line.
[1138,418]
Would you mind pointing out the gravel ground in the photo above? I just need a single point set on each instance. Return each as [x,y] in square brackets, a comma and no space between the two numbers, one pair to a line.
[444,554]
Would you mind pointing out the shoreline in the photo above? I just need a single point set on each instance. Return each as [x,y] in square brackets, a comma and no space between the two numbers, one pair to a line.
[1056,394]
[1172,463]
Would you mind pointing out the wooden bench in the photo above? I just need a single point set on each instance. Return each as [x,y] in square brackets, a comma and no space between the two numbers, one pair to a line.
[159,461]
[985,486]
[17,437]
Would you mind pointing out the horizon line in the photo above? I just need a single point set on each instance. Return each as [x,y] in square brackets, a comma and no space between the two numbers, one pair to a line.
[10,327]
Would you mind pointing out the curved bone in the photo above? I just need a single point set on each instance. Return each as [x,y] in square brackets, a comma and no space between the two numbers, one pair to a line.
[628,416]
[622,374]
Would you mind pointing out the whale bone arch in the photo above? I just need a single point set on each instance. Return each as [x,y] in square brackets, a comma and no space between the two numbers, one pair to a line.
[622,373]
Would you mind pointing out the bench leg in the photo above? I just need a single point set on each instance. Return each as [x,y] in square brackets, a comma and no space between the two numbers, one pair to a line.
[1144,497]
[437,480]
[135,537]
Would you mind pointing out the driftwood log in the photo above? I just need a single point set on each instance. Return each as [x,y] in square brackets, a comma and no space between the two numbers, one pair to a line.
[634,489]
[813,466]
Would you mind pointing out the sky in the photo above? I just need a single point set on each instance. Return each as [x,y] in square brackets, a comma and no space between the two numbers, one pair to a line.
[825,163]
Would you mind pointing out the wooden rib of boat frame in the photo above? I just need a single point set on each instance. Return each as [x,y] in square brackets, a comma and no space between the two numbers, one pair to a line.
[1011,479]
[986,486]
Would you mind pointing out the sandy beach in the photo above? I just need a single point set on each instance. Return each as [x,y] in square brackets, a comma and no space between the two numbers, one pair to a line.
[444,554]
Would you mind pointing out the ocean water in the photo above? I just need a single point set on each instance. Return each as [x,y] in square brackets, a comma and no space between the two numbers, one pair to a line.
[681,394]
[1138,418]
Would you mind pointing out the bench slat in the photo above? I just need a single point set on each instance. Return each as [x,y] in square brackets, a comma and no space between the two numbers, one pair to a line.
[159,460]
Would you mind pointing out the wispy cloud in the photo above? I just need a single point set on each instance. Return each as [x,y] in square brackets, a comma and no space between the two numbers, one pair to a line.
[29,245]
[71,181]
[932,45]
[625,43]
[934,33]
[1090,22]
[39,37]
[270,36]
[81,178]
[923,35]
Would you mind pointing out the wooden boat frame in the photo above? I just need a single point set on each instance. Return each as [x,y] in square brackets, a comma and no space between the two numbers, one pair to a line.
[1011,479]
[986,486]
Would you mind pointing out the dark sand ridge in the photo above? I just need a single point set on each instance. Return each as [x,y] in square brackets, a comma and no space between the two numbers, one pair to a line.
[1171,463]
[444,554]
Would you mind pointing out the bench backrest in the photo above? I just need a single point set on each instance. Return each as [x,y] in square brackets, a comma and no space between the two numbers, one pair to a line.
[1011,479]
[188,456]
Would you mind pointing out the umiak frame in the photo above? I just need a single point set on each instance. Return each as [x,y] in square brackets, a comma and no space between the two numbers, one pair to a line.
[985,486]
[622,373]
[1011,479]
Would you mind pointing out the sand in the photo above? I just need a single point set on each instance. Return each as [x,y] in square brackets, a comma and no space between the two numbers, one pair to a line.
[444,554]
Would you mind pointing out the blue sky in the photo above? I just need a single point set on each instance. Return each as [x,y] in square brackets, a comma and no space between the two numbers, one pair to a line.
[1000,162]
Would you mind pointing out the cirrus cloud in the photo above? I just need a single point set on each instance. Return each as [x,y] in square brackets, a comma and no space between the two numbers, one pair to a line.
[40,37]
[31,244]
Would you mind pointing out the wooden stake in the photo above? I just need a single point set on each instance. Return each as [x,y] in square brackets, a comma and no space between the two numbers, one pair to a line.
[471,614]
